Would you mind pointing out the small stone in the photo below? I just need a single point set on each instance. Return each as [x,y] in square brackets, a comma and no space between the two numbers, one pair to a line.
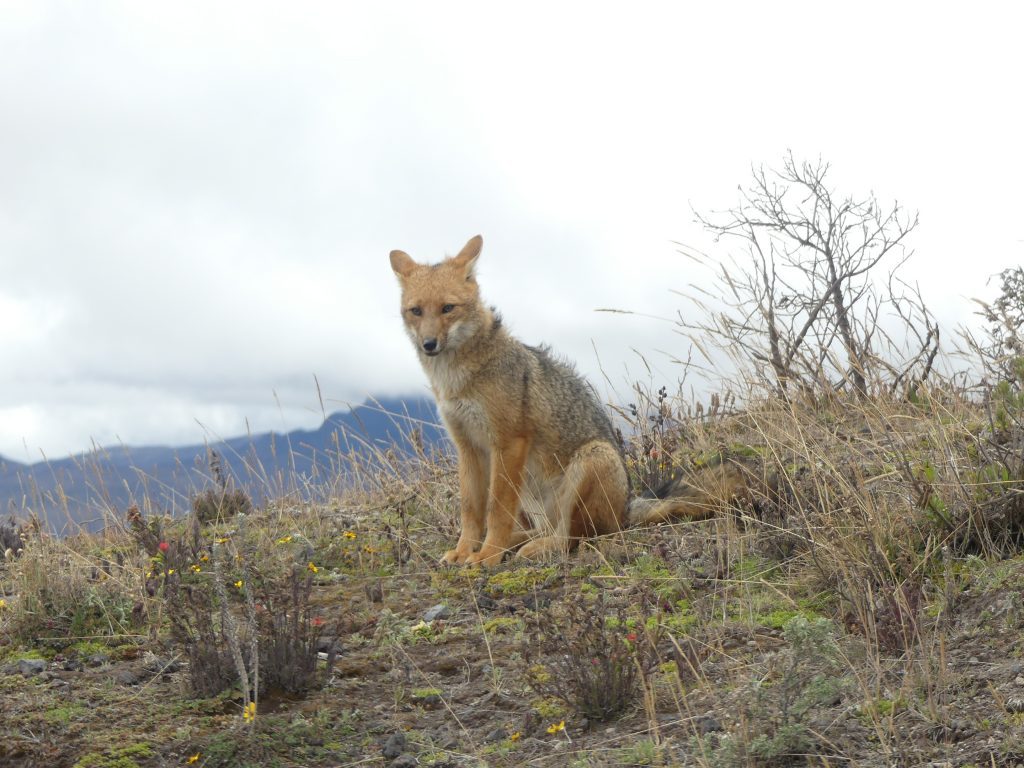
[30,667]
[394,746]
[536,602]
[1019,680]
[485,603]
[327,644]
[127,677]
[157,665]
[1015,704]
[498,734]
[441,611]
[707,724]
[430,701]
[405,761]
[97,660]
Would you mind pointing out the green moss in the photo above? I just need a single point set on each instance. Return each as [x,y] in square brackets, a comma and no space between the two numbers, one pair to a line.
[422,693]
[655,573]
[503,624]
[519,581]
[777,619]
[679,622]
[549,708]
[89,648]
[65,714]
[121,757]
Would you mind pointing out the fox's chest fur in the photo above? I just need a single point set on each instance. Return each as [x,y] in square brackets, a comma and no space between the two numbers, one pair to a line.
[468,417]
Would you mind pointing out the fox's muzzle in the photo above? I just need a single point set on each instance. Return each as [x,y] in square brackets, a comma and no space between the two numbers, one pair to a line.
[430,346]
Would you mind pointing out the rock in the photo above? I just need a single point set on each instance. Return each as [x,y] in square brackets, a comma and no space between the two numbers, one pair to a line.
[430,701]
[498,734]
[405,761]
[97,660]
[536,602]
[443,738]
[127,677]
[328,644]
[440,611]
[448,665]
[1015,704]
[156,665]
[394,746]
[707,724]
[30,667]
[485,603]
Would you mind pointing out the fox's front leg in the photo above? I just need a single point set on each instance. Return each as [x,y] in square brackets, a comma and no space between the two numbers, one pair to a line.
[508,463]
[473,501]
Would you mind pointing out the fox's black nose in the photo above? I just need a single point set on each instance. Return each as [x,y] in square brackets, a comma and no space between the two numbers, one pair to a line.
[429,345]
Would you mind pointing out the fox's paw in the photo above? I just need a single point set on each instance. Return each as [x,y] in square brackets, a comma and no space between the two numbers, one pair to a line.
[539,549]
[488,556]
[457,556]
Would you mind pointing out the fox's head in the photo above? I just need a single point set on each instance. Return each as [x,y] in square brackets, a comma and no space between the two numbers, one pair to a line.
[441,302]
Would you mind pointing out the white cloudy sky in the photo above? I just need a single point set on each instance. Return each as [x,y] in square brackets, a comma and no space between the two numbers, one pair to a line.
[197,199]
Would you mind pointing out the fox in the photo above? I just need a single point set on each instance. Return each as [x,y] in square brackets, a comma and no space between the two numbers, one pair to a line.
[540,466]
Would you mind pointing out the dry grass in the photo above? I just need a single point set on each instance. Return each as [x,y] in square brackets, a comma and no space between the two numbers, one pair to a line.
[863,607]
[835,620]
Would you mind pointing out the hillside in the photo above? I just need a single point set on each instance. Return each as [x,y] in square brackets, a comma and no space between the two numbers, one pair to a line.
[81,490]
[865,612]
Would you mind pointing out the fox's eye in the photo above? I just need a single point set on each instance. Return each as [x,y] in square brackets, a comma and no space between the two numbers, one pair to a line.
[416,311]
[447,308]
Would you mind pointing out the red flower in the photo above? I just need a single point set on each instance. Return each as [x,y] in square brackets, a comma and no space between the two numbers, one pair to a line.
[631,637]
[164,546]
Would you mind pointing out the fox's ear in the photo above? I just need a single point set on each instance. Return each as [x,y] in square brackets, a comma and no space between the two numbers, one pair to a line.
[468,255]
[402,263]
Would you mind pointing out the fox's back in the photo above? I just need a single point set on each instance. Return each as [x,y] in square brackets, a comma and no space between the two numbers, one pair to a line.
[521,390]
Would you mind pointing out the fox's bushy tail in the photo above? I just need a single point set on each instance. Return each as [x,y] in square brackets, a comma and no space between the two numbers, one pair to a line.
[706,493]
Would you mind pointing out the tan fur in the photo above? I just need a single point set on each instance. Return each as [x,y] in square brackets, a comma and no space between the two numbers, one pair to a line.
[539,463]
[703,494]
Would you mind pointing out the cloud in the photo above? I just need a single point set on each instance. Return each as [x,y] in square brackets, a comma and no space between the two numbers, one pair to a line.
[198,201]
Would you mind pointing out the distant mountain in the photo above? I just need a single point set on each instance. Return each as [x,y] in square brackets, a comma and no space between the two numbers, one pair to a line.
[81,490]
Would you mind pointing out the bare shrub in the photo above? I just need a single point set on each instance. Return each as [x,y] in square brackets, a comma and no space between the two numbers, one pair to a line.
[240,617]
[590,656]
[805,306]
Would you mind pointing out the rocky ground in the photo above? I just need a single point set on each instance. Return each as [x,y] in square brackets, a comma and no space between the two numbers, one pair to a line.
[746,660]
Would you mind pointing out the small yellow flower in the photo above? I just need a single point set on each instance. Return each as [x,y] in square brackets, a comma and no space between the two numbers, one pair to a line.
[3,604]
[514,737]
[349,534]
[149,574]
[556,727]
[313,568]
[170,571]
[196,569]
[204,559]
[249,713]
[369,550]
[222,540]
[195,758]
[239,583]
[284,539]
